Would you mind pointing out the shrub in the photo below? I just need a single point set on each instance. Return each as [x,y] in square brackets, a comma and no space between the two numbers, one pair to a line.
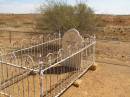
[60,16]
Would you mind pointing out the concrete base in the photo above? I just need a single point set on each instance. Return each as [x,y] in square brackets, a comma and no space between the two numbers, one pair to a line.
[93,67]
[77,83]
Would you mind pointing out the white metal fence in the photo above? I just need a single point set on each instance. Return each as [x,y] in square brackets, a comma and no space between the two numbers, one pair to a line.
[44,69]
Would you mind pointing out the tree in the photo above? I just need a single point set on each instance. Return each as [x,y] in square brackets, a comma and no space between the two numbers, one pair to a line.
[60,16]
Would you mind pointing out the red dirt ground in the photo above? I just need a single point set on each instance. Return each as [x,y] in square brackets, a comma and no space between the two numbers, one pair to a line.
[107,81]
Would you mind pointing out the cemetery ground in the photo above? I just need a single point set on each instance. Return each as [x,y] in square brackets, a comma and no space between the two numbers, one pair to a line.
[107,81]
[112,77]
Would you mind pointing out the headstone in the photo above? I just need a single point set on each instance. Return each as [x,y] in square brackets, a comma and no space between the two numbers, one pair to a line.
[50,59]
[71,43]
[73,38]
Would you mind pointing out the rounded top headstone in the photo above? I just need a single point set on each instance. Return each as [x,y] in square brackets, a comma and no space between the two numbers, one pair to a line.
[71,42]
[72,38]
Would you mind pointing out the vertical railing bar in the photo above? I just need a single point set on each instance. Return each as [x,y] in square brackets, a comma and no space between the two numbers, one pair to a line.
[41,84]
[32,53]
[22,52]
[28,76]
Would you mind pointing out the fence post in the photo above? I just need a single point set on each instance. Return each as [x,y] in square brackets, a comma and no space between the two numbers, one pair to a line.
[94,40]
[41,83]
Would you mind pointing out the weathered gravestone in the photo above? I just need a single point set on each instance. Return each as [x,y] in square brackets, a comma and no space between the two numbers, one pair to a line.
[71,43]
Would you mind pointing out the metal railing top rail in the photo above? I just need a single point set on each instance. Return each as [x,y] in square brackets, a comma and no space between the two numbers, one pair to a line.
[92,41]
[82,49]
[45,71]
[18,66]
[34,46]
[5,94]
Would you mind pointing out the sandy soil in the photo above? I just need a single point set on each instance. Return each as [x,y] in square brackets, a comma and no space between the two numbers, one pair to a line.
[107,81]
[113,50]
[112,77]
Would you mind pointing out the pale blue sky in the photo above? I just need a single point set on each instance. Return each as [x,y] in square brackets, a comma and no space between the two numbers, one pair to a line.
[99,6]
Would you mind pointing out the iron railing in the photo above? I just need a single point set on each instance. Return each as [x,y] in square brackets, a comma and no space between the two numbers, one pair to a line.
[44,69]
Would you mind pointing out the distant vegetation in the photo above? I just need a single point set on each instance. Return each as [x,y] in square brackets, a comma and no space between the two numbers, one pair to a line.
[108,27]
[60,16]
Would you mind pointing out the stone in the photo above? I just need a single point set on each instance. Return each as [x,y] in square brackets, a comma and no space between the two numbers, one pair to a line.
[93,67]
[72,41]
[77,83]
[73,38]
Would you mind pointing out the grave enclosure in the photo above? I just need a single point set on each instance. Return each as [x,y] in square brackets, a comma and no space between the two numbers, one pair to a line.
[46,68]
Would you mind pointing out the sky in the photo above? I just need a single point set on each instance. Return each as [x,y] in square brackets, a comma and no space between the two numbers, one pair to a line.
[117,7]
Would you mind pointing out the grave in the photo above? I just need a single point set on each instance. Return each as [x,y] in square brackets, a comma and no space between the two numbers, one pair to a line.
[72,41]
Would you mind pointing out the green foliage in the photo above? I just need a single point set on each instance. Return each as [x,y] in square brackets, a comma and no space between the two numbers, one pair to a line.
[60,16]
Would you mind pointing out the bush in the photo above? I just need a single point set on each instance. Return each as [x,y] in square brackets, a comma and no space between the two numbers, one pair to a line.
[59,16]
